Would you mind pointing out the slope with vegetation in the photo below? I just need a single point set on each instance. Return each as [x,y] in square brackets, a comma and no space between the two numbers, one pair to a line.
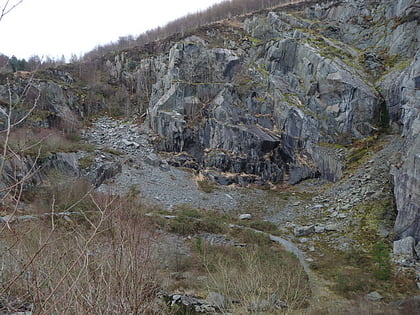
[301,104]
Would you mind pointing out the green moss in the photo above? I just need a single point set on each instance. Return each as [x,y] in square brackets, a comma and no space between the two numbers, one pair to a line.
[372,215]
[360,150]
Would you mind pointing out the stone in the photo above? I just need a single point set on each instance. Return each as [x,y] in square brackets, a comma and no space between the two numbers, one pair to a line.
[417,250]
[259,306]
[303,240]
[245,216]
[216,299]
[404,247]
[304,230]
[331,227]
[374,296]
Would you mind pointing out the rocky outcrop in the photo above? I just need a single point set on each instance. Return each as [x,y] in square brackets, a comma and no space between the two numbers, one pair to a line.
[403,98]
[261,110]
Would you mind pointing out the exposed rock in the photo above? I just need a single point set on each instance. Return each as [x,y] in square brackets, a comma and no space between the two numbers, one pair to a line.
[220,240]
[320,228]
[407,178]
[304,230]
[106,171]
[259,306]
[374,296]
[216,299]
[201,104]
[405,247]
[417,249]
[331,227]
[192,304]
[245,216]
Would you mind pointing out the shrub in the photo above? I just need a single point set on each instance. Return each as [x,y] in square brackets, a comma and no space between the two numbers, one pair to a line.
[382,262]
[60,267]
[245,277]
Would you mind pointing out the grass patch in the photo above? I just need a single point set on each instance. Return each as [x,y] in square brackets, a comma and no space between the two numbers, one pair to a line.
[260,225]
[43,142]
[250,237]
[86,161]
[190,221]
[360,149]
[357,272]
[245,277]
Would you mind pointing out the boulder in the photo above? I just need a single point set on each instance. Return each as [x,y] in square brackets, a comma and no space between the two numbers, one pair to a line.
[216,299]
[304,230]
[245,216]
[374,296]
[404,247]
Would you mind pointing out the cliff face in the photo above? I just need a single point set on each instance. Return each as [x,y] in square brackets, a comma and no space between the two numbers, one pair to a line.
[258,105]
[260,97]
[258,108]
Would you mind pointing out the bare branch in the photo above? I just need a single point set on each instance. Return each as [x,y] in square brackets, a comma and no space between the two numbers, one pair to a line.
[7,8]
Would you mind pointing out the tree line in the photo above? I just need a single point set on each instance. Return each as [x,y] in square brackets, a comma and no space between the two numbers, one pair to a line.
[13,64]
[223,10]
[219,11]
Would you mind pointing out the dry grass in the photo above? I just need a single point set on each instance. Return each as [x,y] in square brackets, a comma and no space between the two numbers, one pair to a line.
[252,276]
[98,261]
[34,141]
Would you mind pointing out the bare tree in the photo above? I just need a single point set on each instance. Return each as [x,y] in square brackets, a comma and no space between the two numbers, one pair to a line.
[7,7]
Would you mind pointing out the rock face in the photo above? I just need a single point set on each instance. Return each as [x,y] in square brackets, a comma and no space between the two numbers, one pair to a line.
[258,106]
[267,97]
[407,178]
[260,111]
[262,103]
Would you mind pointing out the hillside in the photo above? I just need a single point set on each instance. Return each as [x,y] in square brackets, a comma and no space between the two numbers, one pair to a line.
[302,119]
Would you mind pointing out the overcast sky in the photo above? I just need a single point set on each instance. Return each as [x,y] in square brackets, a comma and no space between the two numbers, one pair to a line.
[56,27]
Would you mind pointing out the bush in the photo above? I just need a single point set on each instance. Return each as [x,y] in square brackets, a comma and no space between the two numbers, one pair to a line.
[245,277]
[382,261]
[60,267]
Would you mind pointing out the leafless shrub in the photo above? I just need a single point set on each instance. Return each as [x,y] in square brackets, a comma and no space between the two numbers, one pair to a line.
[251,276]
[96,261]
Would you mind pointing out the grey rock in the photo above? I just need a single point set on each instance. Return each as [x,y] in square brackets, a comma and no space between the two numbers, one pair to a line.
[417,249]
[303,240]
[259,306]
[216,299]
[245,216]
[304,230]
[404,247]
[374,296]
[331,227]
[106,171]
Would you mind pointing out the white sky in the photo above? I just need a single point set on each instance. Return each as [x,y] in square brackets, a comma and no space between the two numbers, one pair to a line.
[56,27]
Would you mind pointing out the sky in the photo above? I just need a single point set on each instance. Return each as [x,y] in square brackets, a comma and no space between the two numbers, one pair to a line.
[64,27]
